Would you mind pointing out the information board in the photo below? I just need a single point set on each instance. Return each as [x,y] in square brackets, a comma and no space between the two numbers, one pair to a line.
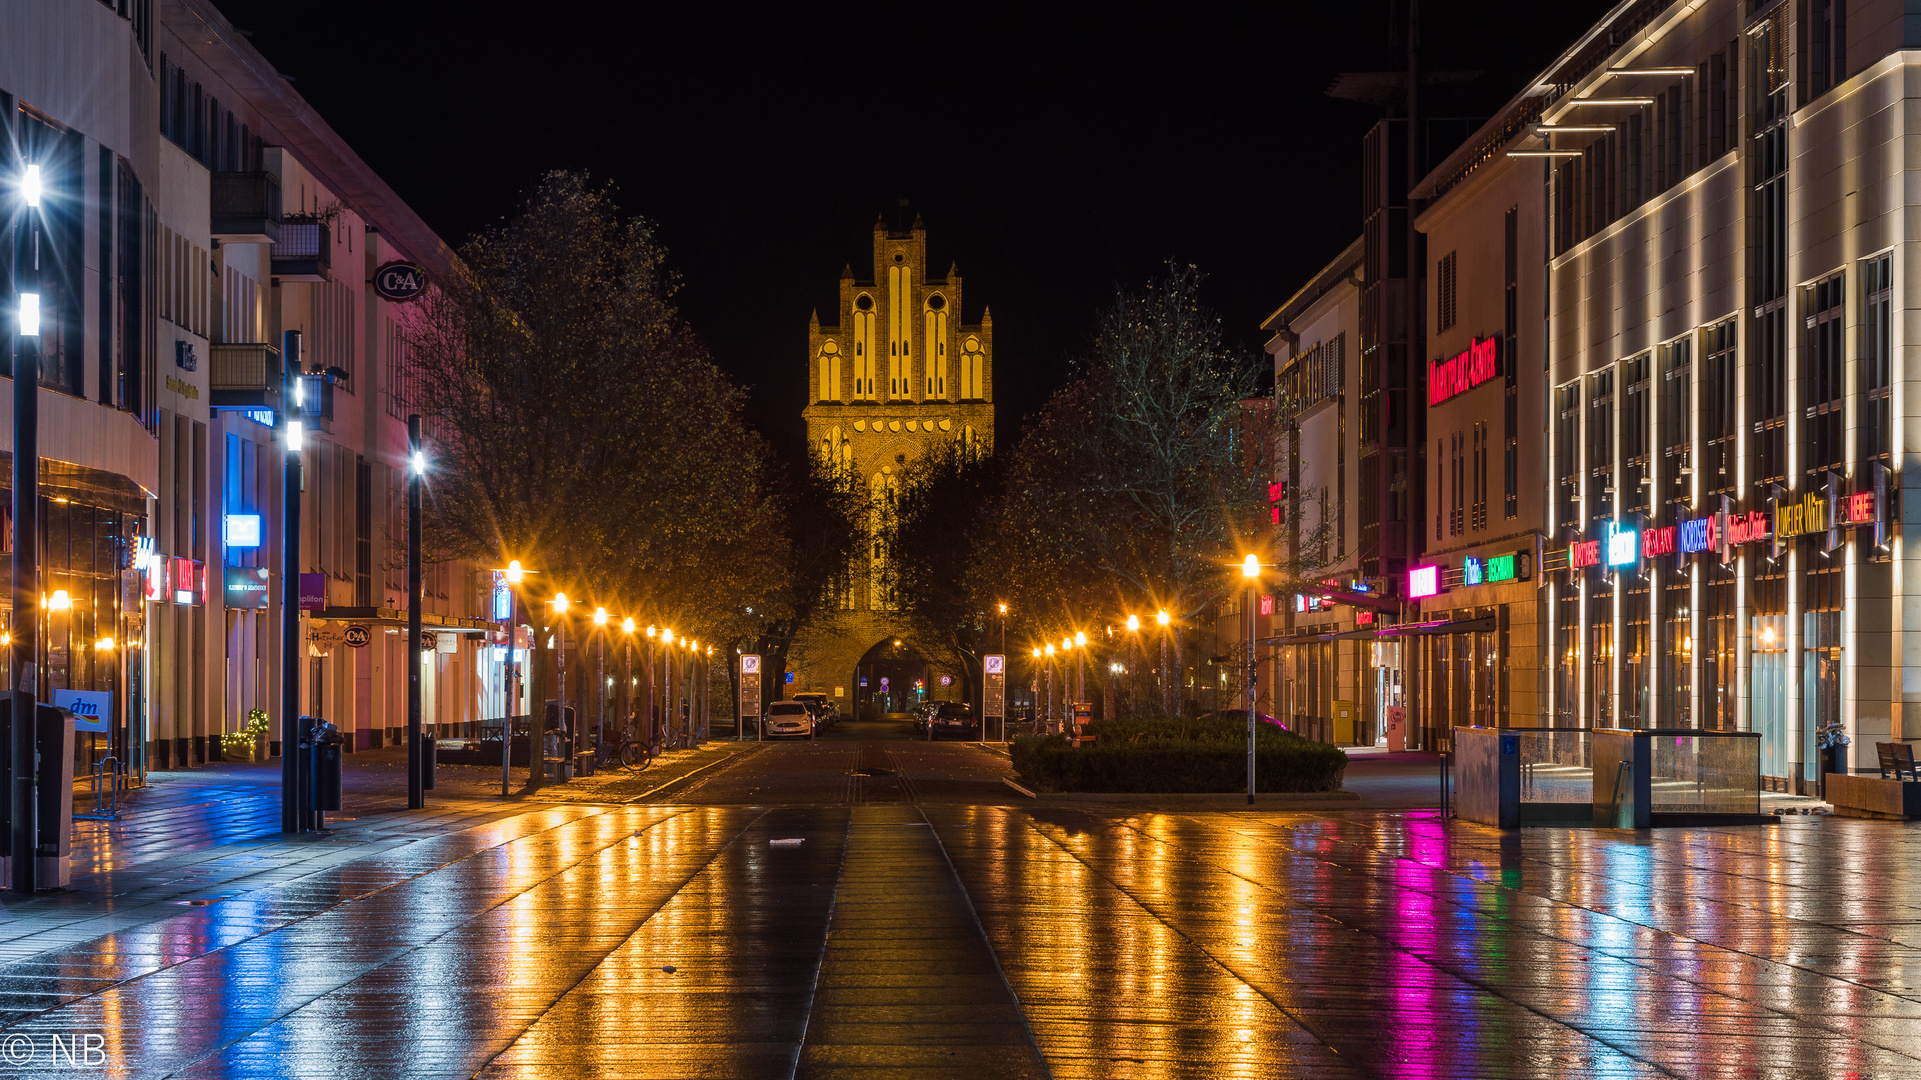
[749,686]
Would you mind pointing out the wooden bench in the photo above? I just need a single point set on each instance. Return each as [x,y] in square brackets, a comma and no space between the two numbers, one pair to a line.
[1895,795]
[1897,761]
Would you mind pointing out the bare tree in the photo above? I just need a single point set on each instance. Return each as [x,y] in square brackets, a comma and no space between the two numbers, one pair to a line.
[579,424]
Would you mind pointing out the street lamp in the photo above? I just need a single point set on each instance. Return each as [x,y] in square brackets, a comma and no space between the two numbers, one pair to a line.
[26,504]
[416,757]
[1251,570]
[600,678]
[565,738]
[1167,704]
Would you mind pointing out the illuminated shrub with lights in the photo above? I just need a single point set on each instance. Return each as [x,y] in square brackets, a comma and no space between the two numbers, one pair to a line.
[1166,756]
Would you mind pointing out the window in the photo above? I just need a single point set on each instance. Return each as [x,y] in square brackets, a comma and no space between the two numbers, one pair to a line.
[1677,421]
[1767,276]
[1634,482]
[1456,517]
[1479,515]
[1510,340]
[1600,443]
[1567,453]
[330,341]
[396,389]
[1823,389]
[1445,292]
[829,366]
[1823,46]
[1718,428]
[1875,369]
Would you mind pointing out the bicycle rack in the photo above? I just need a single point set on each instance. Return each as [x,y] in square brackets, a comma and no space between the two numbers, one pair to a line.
[110,770]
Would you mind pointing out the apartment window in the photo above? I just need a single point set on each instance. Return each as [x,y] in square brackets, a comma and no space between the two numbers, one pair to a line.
[1445,292]
[396,388]
[1823,46]
[1875,368]
[1822,361]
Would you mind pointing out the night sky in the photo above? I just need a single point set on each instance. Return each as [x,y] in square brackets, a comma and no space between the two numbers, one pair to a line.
[1053,150]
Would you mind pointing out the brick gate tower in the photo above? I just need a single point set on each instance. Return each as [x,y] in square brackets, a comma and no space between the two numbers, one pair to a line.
[897,373]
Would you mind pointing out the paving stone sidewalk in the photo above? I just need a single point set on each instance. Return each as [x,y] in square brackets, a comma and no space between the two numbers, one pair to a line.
[200,837]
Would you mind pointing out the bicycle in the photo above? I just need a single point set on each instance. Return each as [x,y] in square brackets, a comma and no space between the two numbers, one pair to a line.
[631,754]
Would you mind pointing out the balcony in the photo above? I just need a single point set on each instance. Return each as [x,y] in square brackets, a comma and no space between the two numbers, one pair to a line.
[246,207]
[245,377]
[304,250]
[316,401]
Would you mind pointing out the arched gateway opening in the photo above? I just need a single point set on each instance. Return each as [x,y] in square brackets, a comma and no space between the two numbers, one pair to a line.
[892,677]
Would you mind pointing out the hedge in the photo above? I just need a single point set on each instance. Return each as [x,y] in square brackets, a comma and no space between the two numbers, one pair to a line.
[1177,755]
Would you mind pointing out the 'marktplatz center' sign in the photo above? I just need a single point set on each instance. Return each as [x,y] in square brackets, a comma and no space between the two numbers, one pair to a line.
[1464,371]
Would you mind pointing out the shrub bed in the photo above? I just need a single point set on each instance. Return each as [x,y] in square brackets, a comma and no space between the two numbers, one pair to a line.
[1164,756]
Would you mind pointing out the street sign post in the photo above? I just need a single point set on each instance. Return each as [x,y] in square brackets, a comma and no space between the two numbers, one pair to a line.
[994,694]
[749,696]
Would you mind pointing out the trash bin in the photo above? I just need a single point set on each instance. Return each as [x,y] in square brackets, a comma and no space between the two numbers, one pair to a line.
[323,759]
[429,751]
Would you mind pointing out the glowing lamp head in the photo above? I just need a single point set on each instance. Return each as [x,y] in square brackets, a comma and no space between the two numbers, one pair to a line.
[627,625]
[32,186]
[561,603]
[1067,643]
[1050,650]
[1252,567]
[600,616]
[1162,617]
[105,644]
[1080,638]
[650,630]
[514,572]
[29,314]
[1037,654]
[1133,622]
[1767,635]
[666,636]
[1003,609]
[60,601]
[294,436]
[419,463]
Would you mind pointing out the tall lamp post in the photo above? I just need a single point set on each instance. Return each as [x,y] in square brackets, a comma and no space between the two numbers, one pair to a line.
[1166,679]
[1133,661]
[565,738]
[600,678]
[416,760]
[653,712]
[1251,570]
[293,809]
[26,531]
[627,668]
[514,661]
[1050,688]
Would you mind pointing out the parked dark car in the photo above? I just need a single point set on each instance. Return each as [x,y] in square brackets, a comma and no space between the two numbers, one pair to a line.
[952,718]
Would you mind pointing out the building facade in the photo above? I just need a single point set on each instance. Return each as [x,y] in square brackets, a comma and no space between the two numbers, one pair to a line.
[197,208]
[899,373]
[1729,247]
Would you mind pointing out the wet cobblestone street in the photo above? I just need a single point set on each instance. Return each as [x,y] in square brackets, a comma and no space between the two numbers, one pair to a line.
[886,925]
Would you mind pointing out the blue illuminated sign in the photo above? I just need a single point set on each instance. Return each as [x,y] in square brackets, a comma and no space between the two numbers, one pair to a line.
[241,530]
[1471,571]
[1623,546]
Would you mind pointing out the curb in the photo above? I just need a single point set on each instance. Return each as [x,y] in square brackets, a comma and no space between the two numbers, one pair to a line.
[690,775]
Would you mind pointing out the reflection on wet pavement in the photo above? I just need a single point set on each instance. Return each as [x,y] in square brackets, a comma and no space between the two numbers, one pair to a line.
[951,940]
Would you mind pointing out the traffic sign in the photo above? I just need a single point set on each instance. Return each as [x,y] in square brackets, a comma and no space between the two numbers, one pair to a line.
[996,665]
[994,700]
[749,664]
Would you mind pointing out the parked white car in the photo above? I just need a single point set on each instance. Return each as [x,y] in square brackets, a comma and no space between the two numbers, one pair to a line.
[787,718]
